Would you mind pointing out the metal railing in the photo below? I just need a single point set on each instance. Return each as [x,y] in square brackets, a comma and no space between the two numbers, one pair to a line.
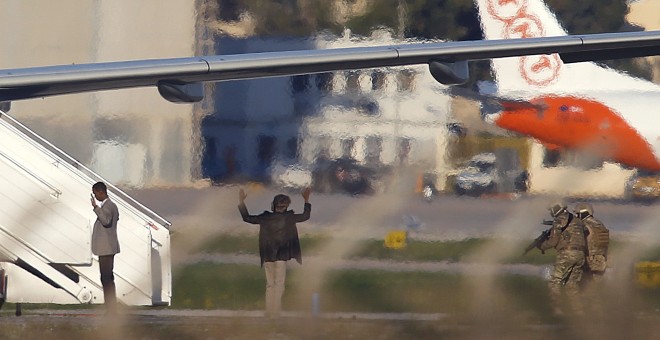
[62,158]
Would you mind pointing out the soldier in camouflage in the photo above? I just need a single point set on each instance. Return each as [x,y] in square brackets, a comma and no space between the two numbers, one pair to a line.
[598,241]
[568,238]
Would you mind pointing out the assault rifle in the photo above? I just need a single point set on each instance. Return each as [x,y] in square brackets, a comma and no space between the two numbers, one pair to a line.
[537,242]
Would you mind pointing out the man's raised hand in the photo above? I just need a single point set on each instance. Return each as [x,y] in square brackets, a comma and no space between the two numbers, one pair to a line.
[305,194]
[241,195]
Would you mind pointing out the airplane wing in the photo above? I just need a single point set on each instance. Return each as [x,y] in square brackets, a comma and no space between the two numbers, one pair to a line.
[178,80]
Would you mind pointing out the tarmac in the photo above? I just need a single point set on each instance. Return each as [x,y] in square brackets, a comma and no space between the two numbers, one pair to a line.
[201,212]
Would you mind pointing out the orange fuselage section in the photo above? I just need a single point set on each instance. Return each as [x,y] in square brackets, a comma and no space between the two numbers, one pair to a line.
[579,123]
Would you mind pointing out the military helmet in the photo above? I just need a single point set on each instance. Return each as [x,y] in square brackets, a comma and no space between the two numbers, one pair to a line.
[557,208]
[584,210]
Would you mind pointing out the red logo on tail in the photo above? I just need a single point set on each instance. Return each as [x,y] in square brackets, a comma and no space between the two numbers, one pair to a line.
[539,70]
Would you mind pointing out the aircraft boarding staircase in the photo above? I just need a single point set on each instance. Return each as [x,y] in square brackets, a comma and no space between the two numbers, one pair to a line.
[46,222]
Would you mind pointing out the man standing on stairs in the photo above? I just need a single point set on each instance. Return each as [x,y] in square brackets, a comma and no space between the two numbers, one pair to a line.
[104,242]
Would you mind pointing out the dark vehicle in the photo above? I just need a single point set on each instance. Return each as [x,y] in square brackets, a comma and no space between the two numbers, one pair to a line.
[343,175]
[643,186]
[478,176]
[487,173]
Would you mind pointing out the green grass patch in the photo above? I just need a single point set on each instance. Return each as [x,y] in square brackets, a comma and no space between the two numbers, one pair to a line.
[242,287]
[213,286]
[452,251]
[415,250]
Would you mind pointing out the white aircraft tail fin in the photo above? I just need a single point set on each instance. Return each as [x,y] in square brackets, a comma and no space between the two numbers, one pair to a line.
[543,74]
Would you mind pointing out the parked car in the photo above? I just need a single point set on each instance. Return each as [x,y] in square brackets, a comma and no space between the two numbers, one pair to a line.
[485,174]
[290,177]
[342,175]
[643,185]
[477,177]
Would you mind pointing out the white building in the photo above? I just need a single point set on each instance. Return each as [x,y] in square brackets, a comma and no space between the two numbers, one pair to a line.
[379,117]
[131,137]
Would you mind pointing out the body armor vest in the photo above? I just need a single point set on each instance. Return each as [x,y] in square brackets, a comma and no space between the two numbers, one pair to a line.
[598,237]
[573,236]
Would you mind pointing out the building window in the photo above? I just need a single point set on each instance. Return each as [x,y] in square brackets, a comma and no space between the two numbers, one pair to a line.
[324,82]
[405,80]
[347,146]
[551,158]
[352,82]
[558,157]
[323,146]
[373,148]
[377,80]
[403,151]
[266,150]
[302,107]
[231,10]
[300,83]
[291,152]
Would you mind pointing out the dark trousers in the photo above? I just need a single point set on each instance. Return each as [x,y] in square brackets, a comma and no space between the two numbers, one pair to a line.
[106,265]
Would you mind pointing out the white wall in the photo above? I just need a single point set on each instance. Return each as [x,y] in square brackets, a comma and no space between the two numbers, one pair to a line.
[44,33]
[607,181]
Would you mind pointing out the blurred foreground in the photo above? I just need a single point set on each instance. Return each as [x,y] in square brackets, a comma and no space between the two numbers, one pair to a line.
[461,274]
[213,326]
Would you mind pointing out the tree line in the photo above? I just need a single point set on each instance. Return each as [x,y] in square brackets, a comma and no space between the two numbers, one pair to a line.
[421,19]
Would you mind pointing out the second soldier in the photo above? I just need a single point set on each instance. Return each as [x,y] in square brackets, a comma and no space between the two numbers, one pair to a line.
[568,238]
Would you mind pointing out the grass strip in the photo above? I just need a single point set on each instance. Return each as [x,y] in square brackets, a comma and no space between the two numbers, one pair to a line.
[415,250]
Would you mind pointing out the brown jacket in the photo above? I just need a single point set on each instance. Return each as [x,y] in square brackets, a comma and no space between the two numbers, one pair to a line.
[278,233]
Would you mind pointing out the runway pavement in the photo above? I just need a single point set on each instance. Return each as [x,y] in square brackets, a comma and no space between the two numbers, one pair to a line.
[447,217]
[200,212]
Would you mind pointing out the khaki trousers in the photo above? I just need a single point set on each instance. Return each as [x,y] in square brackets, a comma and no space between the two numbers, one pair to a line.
[275,277]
